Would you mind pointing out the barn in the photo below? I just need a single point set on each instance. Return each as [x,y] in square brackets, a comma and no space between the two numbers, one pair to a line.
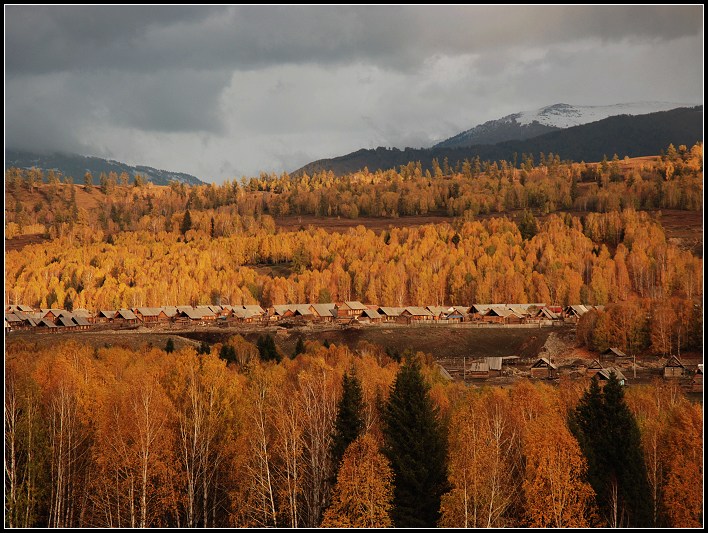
[543,368]
[674,369]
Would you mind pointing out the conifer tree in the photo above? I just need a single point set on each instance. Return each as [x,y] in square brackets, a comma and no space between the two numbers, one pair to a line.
[170,345]
[299,347]
[350,422]
[415,445]
[609,436]
[186,222]
[267,350]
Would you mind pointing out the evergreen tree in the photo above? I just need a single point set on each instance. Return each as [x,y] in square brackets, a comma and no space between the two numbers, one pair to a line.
[266,348]
[415,444]
[609,436]
[299,347]
[204,348]
[186,222]
[228,353]
[528,225]
[170,345]
[350,422]
[88,181]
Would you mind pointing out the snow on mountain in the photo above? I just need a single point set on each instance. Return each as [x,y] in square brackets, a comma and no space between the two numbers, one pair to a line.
[566,116]
[528,124]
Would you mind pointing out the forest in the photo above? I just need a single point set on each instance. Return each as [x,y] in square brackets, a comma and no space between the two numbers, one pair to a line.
[110,437]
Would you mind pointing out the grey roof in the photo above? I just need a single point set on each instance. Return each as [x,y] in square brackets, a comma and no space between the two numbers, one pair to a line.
[170,310]
[302,309]
[83,313]
[65,322]
[324,310]
[55,312]
[616,351]
[13,317]
[45,322]
[438,310]
[595,365]
[107,313]
[20,307]
[371,314]
[257,309]
[674,362]
[358,306]
[245,313]
[216,309]
[391,311]
[149,311]
[81,321]
[605,373]
[462,309]
[282,308]
[418,311]
[196,313]
[542,362]
[127,314]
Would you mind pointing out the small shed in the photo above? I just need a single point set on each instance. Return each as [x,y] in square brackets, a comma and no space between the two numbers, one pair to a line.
[370,316]
[612,354]
[603,376]
[593,368]
[105,315]
[495,365]
[543,368]
[674,369]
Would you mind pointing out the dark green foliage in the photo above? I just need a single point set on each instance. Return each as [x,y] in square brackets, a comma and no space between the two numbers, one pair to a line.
[204,348]
[299,347]
[456,239]
[170,345]
[609,436]
[528,225]
[325,343]
[415,444]
[186,222]
[350,421]
[228,353]
[266,348]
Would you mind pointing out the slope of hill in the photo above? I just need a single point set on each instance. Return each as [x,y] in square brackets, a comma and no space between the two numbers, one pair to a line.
[76,166]
[624,135]
[528,124]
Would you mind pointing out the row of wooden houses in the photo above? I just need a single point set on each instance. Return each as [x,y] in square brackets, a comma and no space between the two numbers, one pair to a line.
[23,317]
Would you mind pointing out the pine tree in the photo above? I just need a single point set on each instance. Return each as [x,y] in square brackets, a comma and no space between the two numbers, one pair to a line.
[609,436]
[299,347]
[186,222]
[170,345]
[349,423]
[415,445]
[266,348]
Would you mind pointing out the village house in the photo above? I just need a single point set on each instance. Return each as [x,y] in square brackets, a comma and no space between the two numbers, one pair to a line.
[593,368]
[543,368]
[84,313]
[439,312]
[417,314]
[501,315]
[612,354]
[125,316]
[105,316]
[674,369]
[603,376]
[349,310]
[370,316]
[390,314]
[323,312]
[150,314]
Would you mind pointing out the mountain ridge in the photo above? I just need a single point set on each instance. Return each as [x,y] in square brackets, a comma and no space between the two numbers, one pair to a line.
[527,124]
[76,166]
[623,134]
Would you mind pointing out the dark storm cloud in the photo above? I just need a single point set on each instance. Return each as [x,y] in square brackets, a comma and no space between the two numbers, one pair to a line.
[49,39]
[210,90]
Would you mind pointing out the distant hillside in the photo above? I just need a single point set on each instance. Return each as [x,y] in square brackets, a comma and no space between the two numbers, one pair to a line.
[76,166]
[528,124]
[624,135]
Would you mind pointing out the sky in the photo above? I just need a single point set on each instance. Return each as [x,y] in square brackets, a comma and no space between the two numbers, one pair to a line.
[223,92]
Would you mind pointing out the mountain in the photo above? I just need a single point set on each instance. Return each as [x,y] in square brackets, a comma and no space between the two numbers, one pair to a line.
[622,135]
[76,166]
[528,124]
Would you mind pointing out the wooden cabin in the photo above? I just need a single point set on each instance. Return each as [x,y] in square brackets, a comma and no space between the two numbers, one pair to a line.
[105,316]
[370,316]
[150,314]
[323,312]
[125,316]
[674,369]
[417,314]
[349,310]
[612,354]
[593,368]
[390,314]
[603,376]
[543,368]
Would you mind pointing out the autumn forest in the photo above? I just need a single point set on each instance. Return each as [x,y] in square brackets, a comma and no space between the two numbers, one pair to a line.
[113,436]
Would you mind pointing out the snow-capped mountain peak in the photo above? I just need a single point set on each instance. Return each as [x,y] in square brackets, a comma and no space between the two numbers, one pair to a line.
[527,124]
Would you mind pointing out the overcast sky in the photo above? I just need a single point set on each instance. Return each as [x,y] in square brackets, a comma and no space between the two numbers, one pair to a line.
[222,92]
